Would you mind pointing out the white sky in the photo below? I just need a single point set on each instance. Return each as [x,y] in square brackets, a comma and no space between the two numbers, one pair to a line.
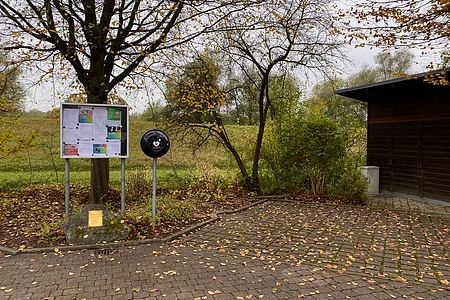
[43,97]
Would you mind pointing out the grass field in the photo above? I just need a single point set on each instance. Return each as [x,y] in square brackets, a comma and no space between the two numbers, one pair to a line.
[191,185]
[41,164]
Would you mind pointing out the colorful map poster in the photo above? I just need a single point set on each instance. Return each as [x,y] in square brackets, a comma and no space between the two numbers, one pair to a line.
[85,115]
[99,148]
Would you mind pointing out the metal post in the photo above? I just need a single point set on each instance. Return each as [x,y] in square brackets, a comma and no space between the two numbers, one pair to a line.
[154,191]
[67,188]
[122,204]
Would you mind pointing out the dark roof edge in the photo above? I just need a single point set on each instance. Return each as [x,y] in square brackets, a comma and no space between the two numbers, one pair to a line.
[390,81]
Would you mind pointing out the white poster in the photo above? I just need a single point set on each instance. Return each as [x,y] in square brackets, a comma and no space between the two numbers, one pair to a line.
[94,130]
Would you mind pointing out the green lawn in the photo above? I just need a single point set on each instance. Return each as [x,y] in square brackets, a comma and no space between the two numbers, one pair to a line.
[41,164]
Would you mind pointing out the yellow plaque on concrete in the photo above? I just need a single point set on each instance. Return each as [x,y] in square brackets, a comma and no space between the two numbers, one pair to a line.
[95,218]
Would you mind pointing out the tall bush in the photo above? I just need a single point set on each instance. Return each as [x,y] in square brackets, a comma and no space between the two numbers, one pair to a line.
[320,150]
[311,154]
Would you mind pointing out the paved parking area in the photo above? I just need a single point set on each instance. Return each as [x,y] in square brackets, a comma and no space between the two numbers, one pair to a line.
[276,250]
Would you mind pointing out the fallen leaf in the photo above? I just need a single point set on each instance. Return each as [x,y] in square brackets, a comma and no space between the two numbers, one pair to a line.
[214,292]
[401,279]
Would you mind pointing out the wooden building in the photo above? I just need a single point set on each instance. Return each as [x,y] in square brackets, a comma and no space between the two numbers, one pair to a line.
[409,134]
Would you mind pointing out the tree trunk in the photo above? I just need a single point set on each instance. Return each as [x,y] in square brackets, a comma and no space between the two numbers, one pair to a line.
[99,180]
[248,182]
[263,107]
[99,166]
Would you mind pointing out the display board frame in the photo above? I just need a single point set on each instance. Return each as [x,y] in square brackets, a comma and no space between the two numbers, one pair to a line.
[94,130]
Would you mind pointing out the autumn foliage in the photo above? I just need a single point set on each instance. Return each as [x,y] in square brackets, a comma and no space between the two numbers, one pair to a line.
[11,96]
[422,24]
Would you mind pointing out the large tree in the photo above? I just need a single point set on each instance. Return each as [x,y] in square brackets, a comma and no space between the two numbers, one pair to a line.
[390,65]
[347,111]
[266,39]
[12,94]
[104,43]
[298,33]
[194,94]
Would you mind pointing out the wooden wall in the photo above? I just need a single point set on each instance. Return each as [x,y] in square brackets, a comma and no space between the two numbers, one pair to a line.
[409,139]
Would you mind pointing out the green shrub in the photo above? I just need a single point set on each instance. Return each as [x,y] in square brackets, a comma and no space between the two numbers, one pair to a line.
[311,155]
[311,149]
[290,179]
[277,173]
[139,210]
[351,186]
[207,182]
[173,180]
[168,211]
[320,150]
[138,183]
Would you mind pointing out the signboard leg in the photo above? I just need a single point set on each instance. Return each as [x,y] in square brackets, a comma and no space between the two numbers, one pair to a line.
[154,191]
[122,204]
[67,188]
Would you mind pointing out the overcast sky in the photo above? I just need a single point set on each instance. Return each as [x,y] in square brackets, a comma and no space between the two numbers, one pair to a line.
[42,97]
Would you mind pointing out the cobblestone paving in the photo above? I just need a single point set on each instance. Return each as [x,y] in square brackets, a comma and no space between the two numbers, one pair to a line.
[278,250]
[394,202]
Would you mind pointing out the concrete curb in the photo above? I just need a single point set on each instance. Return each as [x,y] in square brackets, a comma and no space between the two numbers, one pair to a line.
[213,218]
[8,250]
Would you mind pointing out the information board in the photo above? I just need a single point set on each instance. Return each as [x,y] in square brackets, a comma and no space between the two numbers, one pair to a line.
[94,130]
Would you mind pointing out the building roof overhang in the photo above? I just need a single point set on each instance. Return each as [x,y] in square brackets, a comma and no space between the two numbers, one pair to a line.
[411,86]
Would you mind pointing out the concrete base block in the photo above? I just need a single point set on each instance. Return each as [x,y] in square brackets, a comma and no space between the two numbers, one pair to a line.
[94,224]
